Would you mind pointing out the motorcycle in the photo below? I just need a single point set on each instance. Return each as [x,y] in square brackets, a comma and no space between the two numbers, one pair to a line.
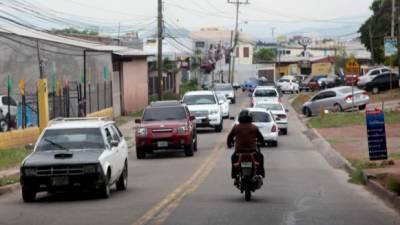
[247,180]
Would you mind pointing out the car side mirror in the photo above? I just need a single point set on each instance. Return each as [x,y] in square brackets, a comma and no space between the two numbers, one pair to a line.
[192,117]
[29,146]
[138,121]
[287,110]
[114,143]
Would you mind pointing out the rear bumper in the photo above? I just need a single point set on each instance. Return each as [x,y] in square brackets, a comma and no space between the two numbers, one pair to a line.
[211,121]
[270,136]
[282,125]
[172,142]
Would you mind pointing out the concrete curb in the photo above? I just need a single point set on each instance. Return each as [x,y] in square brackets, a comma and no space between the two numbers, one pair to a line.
[9,188]
[336,160]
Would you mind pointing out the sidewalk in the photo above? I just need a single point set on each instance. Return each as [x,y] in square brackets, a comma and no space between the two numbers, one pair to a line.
[128,129]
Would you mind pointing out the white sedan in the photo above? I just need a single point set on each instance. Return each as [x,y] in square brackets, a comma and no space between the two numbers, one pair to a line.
[290,86]
[280,114]
[224,103]
[265,122]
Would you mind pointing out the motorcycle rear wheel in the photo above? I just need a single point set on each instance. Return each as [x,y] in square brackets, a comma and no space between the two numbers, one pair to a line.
[247,194]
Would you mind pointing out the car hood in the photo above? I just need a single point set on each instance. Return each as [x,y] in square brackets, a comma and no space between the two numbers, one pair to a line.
[45,158]
[164,124]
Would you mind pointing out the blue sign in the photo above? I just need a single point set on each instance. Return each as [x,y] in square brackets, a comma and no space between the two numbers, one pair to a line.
[390,46]
[376,135]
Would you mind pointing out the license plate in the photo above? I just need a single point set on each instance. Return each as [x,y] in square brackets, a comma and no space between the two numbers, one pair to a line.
[246,165]
[162,144]
[59,181]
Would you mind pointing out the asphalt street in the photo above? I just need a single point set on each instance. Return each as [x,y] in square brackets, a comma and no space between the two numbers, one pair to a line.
[169,188]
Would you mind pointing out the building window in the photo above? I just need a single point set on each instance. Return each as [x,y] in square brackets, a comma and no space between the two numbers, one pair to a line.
[246,52]
[200,44]
[237,52]
[287,52]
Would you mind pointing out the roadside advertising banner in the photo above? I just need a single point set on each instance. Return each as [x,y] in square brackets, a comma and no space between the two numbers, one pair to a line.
[376,135]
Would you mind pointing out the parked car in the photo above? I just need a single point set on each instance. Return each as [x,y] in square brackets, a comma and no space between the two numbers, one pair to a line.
[206,108]
[76,154]
[336,99]
[265,122]
[304,85]
[166,125]
[381,82]
[236,86]
[227,90]
[313,84]
[363,80]
[291,87]
[280,114]
[265,82]
[351,80]
[224,103]
[264,94]
[286,79]
[5,115]
[250,84]
[330,81]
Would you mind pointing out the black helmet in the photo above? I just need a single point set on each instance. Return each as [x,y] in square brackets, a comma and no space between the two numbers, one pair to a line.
[245,116]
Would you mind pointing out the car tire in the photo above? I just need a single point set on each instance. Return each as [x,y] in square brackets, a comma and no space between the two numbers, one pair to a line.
[195,143]
[104,190]
[219,128]
[189,149]
[140,153]
[273,144]
[284,131]
[122,182]
[3,126]
[307,112]
[375,90]
[337,107]
[233,101]
[28,195]
[362,107]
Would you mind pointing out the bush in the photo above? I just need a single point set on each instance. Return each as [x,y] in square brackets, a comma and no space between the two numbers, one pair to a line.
[299,101]
[190,86]
[357,177]
[394,185]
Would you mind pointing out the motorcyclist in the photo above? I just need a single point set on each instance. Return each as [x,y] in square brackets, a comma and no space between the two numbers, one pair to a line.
[246,135]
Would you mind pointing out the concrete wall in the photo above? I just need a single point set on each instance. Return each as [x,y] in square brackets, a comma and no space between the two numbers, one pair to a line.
[135,85]
[241,59]
[18,138]
[321,68]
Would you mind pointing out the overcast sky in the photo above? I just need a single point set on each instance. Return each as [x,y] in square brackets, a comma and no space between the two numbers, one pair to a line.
[287,16]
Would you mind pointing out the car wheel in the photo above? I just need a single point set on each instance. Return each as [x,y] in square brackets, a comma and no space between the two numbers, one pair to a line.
[284,131]
[3,126]
[362,107]
[28,195]
[195,143]
[234,101]
[219,128]
[105,187]
[122,182]
[337,107]
[189,150]
[375,90]
[140,153]
[273,143]
[307,112]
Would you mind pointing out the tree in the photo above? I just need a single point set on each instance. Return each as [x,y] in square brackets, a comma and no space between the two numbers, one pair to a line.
[378,23]
[71,30]
[265,54]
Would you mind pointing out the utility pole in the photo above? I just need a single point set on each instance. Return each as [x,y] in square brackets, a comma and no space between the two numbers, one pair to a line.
[235,42]
[371,42]
[159,55]
[393,17]
[41,72]
[398,40]
[230,59]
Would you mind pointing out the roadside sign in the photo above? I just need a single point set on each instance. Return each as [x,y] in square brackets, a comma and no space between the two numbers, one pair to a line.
[376,135]
[352,67]
[390,46]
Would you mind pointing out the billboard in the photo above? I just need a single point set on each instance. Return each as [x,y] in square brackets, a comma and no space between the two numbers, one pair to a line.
[390,46]
[376,135]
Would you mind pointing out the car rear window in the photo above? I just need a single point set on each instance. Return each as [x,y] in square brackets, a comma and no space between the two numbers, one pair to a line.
[273,107]
[71,139]
[164,113]
[265,93]
[6,100]
[260,117]
[223,87]
[199,100]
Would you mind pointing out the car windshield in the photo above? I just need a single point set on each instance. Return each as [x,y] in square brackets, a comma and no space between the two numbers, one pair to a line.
[164,113]
[284,80]
[273,107]
[265,93]
[223,87]
[260,117]
[199,100]
[71,139]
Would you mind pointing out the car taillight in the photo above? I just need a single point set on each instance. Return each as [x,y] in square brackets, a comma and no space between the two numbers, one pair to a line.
[348,98]
[281,116]
[273,130]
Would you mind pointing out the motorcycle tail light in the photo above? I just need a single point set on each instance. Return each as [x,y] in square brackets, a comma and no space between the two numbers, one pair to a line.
[273,129]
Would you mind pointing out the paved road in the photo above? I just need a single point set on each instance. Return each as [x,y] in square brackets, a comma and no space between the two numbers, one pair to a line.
[172,189]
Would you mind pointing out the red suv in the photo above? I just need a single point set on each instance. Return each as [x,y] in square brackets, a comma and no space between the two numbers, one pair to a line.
[166,125]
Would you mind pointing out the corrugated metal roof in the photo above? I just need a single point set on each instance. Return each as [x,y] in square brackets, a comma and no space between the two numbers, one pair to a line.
[72,41]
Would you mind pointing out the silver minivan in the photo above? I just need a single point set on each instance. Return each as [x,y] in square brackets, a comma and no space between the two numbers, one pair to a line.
[336,99]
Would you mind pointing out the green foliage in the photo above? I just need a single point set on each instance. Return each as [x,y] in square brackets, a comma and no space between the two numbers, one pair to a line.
[357,177]
[265,54]
[72,30]
[379,26]
[340,59]
[190,86]
[363,164]
[9,180]
[168,65]
[299,101]
[12,157]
